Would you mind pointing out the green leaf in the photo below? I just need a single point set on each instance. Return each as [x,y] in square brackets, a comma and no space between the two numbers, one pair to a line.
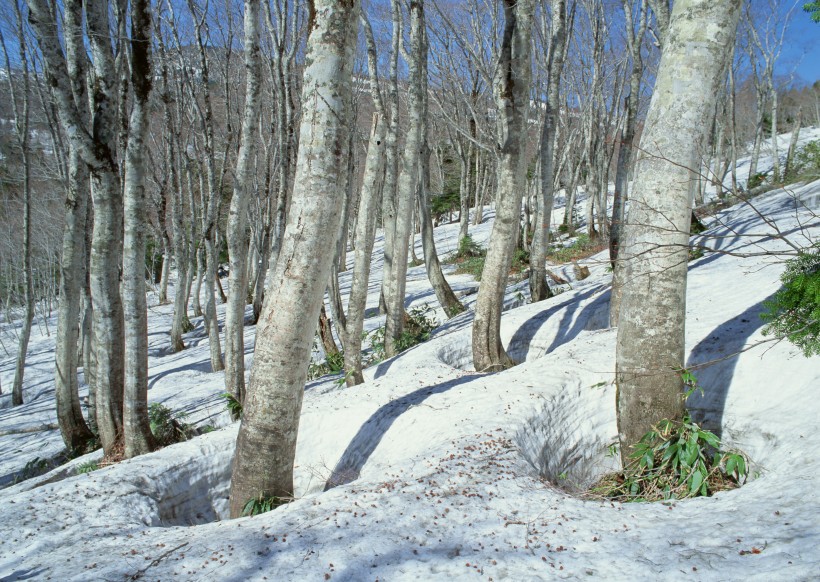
[731,465]
[697,481]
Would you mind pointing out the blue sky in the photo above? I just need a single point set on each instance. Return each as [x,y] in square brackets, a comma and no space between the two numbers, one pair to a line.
[801,51]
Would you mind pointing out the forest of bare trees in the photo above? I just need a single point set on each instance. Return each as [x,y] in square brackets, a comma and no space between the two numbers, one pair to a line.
[146,145]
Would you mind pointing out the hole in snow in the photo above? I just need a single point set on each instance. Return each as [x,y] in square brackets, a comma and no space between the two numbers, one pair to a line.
[567,440]
[187,483]
[458,354]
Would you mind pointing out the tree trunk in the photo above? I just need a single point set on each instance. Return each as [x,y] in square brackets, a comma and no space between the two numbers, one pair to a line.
[405,194]
[266,445]
[365,231]
[650,348]
[511,88]
[625,154]
[238,222]
[539,289]
[137,432]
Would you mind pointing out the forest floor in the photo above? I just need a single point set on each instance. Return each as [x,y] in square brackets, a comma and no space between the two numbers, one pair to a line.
[429,470]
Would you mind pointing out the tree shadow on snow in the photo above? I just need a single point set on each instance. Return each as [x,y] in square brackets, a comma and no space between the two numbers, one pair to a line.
[373,430]
[521,342]
[714,360]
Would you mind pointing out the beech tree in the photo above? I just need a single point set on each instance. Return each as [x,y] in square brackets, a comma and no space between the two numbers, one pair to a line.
[650,345]
[96,143]
[266,445]
[511,91]
[21,107]
[137,432]
[238,218]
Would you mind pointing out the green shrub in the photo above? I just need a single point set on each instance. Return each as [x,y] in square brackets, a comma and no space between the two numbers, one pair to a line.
[233,405]
[166,426]
[581,248]
[417,328]
[472,266]
[794,312]
[334,364]
[87,467]
[756,180]
[467,248]
[806,163]
[262,504]
[675,460]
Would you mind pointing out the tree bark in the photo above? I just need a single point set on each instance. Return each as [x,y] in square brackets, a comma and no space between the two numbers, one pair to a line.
[137,431]
[266,444]
[539,289]
[650,347]
[237,221]
[511,91]
[405,194]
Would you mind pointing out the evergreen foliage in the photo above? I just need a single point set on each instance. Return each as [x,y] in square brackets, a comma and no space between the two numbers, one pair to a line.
[794,312]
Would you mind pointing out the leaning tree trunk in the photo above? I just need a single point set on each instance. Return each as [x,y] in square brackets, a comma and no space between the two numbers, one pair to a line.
[365,231]
[511,90]
[650,348]
[405,193]
[266,445]
[238,218]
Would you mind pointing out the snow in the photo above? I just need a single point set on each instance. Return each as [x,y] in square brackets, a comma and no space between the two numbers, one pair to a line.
[431,471]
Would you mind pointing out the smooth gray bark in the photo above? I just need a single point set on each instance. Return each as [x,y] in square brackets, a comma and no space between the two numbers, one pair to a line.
[266,445]
[511,92]
[137,431]
[539,289]
[406,188]
[650,347]
[238,218]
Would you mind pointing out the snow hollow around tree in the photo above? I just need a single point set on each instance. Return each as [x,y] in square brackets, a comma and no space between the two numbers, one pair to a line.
[430,471]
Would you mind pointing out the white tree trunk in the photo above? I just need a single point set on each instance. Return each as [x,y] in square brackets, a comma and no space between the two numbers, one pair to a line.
[650,348]
[511,89]
[406,191]
[266,444]
[137,432]
[237,220]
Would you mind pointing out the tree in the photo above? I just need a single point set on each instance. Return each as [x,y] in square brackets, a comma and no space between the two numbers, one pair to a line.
[539,289]
[266,445]
[512,94]
[650,346]
[96,143]
[137,431]
[22,116]
[238,218]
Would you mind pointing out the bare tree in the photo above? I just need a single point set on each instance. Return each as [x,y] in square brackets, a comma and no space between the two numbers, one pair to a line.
[511,90]
[539,289]
[21,107]
[238,218]
[650,348]
[98,149]
[266,445]
[137,432]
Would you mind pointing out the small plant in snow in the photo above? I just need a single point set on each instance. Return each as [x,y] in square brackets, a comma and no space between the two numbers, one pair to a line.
[334,364]
[262,504]
[166,426]
[675,460]
[233,405]
[87,467]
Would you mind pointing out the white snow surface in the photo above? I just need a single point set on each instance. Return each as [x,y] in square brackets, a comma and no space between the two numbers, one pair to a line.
[430,471]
